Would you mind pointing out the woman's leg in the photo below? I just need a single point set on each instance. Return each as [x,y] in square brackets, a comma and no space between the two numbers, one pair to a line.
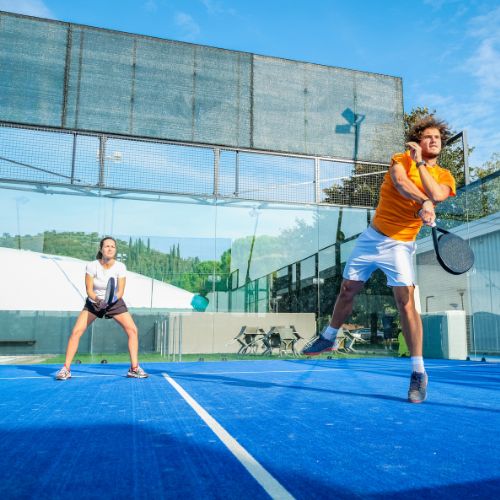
[83,321]
[126,321]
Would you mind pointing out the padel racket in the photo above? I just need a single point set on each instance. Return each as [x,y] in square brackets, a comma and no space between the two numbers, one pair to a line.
[110,292]
[452,252]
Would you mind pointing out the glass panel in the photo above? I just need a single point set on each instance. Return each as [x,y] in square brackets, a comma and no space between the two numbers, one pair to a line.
[168,265]
[200,271]
[465,306]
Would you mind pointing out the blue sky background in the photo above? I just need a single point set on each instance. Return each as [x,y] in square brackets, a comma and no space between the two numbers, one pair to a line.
[446,51]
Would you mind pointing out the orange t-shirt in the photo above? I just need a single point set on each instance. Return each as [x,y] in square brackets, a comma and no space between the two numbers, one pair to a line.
[396,215]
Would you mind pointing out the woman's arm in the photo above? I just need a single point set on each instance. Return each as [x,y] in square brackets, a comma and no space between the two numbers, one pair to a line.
[121,288]
[89,286]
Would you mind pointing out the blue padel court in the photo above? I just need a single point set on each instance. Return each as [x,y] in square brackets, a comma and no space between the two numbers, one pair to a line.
[251,429]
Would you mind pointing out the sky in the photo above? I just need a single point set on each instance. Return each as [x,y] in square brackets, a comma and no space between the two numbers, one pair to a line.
[446,51]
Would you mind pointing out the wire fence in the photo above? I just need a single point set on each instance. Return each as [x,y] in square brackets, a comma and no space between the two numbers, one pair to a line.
[42,156]
[86,78]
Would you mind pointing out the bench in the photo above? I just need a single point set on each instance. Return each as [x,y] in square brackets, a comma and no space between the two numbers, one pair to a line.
[16,342]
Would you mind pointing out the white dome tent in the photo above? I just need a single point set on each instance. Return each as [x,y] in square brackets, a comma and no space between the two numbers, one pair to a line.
[33,281]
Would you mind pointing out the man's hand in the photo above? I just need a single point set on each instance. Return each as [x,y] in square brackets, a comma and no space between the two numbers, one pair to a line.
[415,151]
[427,213]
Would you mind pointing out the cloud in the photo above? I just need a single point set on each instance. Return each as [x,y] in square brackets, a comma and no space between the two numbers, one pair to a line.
[29,7]
[151,6]
[438,4]
[484,64]
[188,24]
[216,7]
[482,110]
[476,108]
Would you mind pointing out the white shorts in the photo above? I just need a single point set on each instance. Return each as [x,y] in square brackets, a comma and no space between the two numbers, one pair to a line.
[374,250]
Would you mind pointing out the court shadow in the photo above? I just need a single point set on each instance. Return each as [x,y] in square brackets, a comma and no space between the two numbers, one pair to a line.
[224,379]
[267,385]
[92,461]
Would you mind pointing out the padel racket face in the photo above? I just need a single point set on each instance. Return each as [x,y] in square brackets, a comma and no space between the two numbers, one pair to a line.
[453,253]
[110,291]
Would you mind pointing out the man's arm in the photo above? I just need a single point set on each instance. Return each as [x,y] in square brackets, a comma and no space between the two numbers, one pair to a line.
[408,189]
[436,192]
[405,186]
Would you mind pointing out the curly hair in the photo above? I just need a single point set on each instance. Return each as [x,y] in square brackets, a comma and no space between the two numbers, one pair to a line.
[429,121]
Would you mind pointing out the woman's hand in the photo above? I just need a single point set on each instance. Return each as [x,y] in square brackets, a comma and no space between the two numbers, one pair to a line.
[99,303]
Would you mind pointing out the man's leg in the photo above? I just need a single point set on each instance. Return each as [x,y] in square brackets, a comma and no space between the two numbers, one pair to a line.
[343,305]
[411,325]
[341,311]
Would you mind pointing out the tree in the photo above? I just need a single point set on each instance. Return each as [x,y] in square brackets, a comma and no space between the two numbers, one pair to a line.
[488,168]
[360,189]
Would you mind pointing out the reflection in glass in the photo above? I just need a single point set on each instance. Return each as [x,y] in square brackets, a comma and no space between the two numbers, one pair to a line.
[256,264]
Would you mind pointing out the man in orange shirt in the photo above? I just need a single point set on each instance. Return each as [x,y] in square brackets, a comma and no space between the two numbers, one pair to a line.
[412,187]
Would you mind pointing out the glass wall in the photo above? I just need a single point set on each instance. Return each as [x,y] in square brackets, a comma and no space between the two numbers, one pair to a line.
[474,215]
[257,265]
[211,277]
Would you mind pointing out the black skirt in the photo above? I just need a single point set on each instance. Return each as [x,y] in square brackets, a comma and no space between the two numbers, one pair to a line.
[118,307]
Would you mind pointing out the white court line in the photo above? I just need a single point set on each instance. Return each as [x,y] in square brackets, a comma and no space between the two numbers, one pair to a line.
[312,370]
[350,368]
[264,478]
[50,376]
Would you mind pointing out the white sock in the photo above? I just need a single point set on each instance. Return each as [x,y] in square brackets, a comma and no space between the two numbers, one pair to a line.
[330,333]
[417,364]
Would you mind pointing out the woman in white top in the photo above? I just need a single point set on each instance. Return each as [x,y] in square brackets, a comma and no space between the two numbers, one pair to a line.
[97,275]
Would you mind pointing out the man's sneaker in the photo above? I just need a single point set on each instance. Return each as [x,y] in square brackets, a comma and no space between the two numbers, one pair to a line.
[319,345]
[418,387]
[137,372]
[63,374]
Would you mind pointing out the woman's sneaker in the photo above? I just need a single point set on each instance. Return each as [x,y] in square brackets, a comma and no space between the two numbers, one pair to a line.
[417,393]
[137,372]
[63,374]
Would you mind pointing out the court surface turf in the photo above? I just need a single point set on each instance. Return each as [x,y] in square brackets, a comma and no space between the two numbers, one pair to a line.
[250,429]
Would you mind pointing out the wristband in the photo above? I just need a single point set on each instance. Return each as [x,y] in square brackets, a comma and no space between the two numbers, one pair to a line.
[421,163]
